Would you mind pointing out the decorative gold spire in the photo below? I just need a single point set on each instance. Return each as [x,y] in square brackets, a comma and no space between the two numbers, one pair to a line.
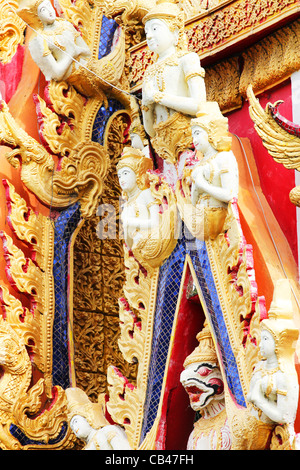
[28,11]
[168,11]
[206,351]
[79,404]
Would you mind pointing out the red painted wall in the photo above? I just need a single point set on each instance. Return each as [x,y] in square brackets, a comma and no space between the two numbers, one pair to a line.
[10,74]
[177,417]
[276,181]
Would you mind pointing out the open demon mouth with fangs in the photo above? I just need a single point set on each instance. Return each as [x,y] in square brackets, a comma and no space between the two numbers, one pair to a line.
[205,391]
[194,393]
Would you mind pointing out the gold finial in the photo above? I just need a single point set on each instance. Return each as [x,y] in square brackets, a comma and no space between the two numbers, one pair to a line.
[28,11]
[205,351]
[168,11]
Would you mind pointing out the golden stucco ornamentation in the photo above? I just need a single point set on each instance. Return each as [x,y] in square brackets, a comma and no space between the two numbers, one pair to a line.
[223,26]
[126,12]
[172,137]
[281,439]
[126,400]
[20,403]
[98,280]
[23,273]
[65,120]
[129,15]
[222,84]
[272,60]
[11,30]
[17,375]
[27,328]
[38,233]
[80,175]
[37,425]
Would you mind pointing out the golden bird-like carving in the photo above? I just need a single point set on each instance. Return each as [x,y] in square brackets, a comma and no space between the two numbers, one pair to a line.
[279,136]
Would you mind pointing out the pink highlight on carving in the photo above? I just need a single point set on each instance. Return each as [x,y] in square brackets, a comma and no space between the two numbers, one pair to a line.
[288,126]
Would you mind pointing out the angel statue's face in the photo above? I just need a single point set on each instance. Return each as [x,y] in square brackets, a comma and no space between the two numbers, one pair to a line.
[127,179]
[200,139]
[80,427]
[159,37]
[46,12]
[267,344]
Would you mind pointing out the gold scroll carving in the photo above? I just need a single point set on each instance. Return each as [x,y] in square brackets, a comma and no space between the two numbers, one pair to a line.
[222,84]
[65,124]
[32,276]
[11,30]
[66,167]
[126,401]
[26,331]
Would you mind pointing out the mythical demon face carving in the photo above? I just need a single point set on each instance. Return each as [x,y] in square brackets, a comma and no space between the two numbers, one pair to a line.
[203,382]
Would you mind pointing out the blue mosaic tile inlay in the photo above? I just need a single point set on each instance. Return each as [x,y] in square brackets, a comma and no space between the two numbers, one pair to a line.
[64,228]
[167,295]
[108,28]
[201,264]
[101,119]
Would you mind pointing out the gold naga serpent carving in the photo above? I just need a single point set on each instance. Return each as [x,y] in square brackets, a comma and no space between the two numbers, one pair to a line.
[11,31]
